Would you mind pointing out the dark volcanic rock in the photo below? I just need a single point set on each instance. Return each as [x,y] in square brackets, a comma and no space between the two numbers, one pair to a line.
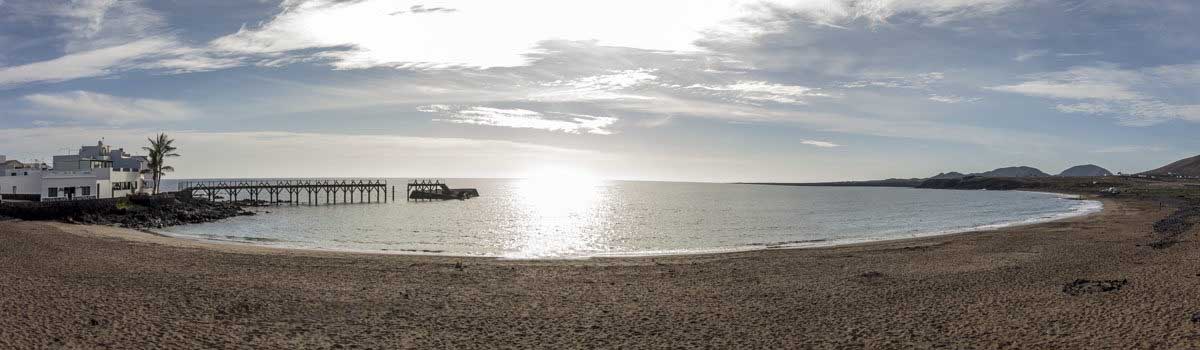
[972,182]
[1085,170]
[1016,171]
[871,274]
[1170,229]
[1082,286]
[949,175]
[139,211]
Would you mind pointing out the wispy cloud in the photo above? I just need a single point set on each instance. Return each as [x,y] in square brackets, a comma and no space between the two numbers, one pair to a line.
[1028,55]
[93,63]
[107,109]
[596,87]
[95,24]
[917,81]
[1129,149]
[523,119]
[1134,97]
[952,99]
[1072,89]
[822,144]
[103,38]
[760,91]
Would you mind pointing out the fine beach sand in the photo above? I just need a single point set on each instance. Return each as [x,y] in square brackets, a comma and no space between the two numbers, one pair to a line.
[69,286]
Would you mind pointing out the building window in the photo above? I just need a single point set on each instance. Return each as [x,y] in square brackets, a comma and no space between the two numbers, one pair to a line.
[85,191]
[53,192]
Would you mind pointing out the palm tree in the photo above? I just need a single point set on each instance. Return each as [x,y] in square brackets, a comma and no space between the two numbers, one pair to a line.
[160,149]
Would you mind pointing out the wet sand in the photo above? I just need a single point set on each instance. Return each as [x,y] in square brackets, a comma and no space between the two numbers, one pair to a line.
[70,286]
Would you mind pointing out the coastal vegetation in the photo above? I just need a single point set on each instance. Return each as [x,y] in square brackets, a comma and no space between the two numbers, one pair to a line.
[159,150]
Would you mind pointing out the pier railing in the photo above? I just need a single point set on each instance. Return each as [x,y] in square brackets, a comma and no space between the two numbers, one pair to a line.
[368,190]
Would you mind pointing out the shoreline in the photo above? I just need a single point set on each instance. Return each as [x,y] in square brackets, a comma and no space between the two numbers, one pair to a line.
[150,236]
[1086,281]
[808,244]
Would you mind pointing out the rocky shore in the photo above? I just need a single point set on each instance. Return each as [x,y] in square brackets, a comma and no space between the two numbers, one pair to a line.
[138,212]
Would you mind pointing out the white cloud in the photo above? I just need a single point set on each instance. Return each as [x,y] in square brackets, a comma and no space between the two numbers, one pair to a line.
[917,81]
[106,109]
[484,33]
[1135,113]
[1086,108]
[822,144]
[1105,82]
[596,87]
[476,34]
[523,118]
[764,91]
[1071,90]
[952,99]
[105,37]
[1134,97]
[94,63]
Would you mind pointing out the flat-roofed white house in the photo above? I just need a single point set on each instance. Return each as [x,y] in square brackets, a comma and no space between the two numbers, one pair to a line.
[95,172]
[20,178]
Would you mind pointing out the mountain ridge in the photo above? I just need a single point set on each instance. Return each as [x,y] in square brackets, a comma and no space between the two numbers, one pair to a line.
[1187,166]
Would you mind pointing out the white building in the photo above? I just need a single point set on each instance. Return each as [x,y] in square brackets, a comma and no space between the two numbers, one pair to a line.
[20,178]
[95,172]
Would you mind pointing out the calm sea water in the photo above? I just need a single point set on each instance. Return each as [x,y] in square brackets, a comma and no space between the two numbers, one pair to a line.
[578,219]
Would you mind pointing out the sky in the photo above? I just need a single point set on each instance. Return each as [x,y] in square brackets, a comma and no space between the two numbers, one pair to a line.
[672,90]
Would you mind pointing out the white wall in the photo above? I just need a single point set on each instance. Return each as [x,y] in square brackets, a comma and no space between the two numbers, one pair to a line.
[64,180]
[25,184]
[117,177]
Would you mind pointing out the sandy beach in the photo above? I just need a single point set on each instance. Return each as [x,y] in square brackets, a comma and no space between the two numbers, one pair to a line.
[76,286]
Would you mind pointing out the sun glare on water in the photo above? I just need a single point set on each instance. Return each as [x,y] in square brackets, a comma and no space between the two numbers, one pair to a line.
[561,211]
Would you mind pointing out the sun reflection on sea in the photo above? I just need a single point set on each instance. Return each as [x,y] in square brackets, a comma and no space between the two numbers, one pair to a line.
[562,214]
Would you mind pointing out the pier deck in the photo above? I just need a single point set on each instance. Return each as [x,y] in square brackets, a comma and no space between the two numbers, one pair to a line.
[368,190]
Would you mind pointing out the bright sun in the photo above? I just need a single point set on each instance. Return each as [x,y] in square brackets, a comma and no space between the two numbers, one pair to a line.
[561,210]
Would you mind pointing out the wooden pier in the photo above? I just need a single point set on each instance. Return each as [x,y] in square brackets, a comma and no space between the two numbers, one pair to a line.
[297,192]
[428,189]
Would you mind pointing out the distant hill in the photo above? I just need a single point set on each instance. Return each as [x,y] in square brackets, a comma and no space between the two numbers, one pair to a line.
[1016,171]
[867,183]
[1085,170]
[949,175]
[1188,167]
